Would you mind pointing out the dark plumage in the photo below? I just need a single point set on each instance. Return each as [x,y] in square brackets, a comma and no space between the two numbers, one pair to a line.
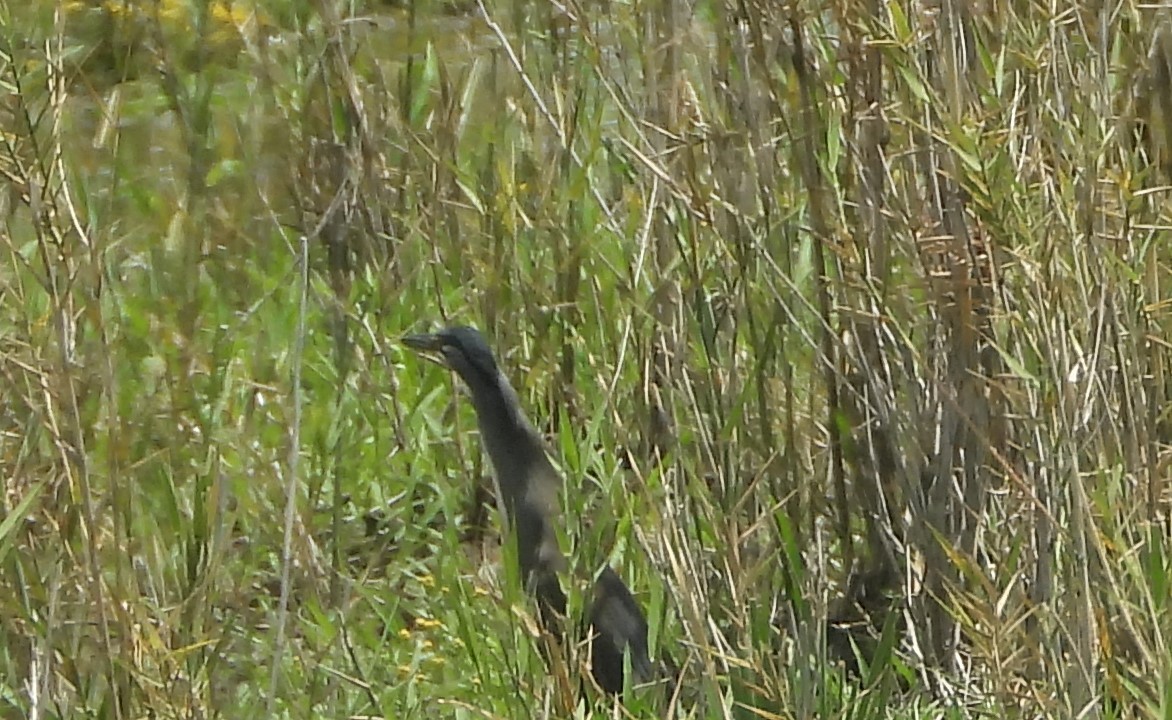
[528,486]
[616,622]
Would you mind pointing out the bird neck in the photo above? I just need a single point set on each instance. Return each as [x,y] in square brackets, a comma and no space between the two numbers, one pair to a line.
[527,484]
[511,441]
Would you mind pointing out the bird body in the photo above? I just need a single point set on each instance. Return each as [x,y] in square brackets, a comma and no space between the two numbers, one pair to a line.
[617,623]
[528,487]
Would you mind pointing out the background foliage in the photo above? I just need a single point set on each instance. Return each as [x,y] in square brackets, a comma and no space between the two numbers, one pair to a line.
[846,321]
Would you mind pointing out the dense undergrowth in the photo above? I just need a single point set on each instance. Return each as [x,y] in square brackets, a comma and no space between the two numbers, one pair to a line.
[846,323]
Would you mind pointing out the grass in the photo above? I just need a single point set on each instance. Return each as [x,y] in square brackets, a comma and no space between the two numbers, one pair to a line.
[831,313]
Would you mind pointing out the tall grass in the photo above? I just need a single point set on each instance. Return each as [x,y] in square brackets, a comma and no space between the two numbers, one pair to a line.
[846,323]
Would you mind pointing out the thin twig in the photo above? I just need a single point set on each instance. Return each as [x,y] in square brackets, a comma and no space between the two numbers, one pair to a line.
[291,478]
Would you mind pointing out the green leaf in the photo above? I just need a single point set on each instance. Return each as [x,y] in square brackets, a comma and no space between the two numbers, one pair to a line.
[18,514]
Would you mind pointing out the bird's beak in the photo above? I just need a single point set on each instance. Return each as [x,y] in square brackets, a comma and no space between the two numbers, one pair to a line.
[424,342]
[427,344]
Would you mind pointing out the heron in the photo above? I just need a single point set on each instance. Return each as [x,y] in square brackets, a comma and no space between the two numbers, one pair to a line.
[528,488]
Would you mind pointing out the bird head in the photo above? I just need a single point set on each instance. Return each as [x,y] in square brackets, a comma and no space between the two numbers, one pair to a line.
[460,348]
